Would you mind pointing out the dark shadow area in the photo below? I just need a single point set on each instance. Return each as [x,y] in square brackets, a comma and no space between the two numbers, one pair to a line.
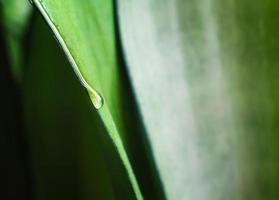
[15,173]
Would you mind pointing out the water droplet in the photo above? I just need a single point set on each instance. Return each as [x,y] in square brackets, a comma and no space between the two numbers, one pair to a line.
[96,99]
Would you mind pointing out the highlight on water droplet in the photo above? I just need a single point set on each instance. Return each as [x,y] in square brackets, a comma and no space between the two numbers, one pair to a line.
[96,99]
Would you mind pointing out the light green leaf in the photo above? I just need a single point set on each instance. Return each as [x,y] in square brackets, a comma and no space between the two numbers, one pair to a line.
[86,32]
[205,74]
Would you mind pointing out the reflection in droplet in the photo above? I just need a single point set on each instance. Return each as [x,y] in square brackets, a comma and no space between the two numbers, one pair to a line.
[96,99]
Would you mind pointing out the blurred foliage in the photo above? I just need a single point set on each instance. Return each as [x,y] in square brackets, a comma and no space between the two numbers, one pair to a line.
[15,18]
[205,74]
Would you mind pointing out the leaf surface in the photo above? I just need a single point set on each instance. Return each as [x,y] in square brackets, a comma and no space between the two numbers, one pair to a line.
[205,75]
[68,160]
[86,32]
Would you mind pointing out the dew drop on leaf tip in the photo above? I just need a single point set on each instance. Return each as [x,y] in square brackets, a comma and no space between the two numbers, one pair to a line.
[96,99]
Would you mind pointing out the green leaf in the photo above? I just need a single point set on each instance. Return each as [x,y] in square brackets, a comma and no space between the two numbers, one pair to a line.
[68,160]
[205,74]
[86,32]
